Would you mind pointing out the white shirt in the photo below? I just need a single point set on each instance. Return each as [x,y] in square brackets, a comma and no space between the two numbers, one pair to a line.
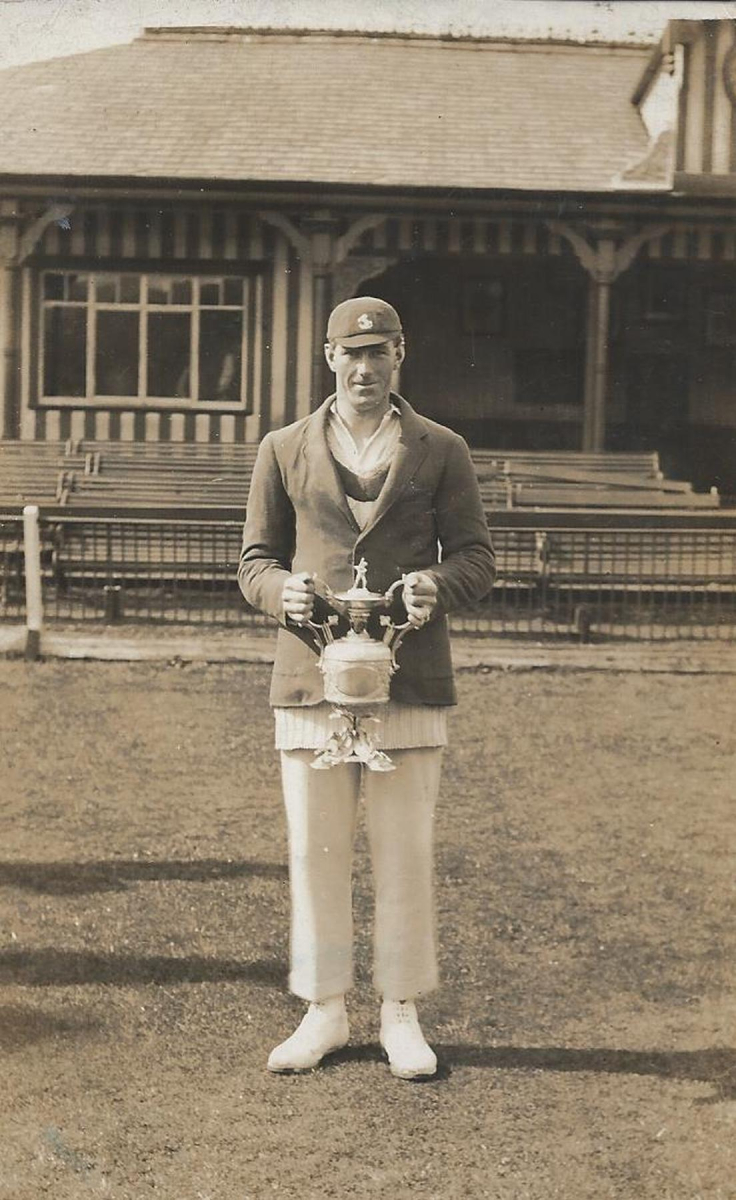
[372,458]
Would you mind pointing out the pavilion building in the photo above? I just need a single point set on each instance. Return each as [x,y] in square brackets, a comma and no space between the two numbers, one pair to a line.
[555,222]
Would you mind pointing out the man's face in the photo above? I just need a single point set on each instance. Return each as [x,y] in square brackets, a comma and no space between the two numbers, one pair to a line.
[363,373]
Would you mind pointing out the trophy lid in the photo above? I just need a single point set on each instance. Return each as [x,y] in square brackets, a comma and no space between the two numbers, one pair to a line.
[359,591]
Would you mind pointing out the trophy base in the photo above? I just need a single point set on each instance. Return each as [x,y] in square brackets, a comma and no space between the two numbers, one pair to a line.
[352,742]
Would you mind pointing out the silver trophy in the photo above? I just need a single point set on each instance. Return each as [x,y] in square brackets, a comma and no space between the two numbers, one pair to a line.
[357,670]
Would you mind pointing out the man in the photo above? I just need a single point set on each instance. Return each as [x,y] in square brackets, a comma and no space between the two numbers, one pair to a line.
[364,477]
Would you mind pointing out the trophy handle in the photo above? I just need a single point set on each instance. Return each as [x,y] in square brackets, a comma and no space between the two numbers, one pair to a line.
[393,637]
[392,629]
[389,595]
[322,630]
[325,592]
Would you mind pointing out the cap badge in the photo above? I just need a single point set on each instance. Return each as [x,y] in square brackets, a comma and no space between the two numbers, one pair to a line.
[365,321]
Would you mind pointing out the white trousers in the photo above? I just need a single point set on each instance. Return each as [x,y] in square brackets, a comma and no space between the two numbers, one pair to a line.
[321,810]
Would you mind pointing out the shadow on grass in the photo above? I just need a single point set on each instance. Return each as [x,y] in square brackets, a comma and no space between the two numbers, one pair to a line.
[714,1065]
[114,875]
[50,967]
[20,1027]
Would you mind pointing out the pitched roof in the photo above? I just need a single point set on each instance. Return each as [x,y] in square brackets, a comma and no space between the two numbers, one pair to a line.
[391,111]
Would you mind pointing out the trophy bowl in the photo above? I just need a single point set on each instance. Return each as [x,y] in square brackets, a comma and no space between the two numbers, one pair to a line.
[357,670]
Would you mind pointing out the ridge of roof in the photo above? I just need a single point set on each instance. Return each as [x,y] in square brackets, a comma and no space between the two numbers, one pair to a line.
[235,33]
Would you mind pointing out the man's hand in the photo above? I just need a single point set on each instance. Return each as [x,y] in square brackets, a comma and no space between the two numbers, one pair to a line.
[419,596]
[297,597]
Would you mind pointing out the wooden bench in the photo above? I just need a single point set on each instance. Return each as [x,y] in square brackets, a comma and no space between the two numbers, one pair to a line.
[639,463]
[187,476]
[38,472]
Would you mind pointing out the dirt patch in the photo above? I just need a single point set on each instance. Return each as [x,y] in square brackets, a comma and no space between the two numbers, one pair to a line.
[585,1028]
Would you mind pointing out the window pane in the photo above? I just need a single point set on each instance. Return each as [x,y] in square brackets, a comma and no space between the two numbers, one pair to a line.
[168,354]
[169,291]
[209,292]
[220,355]
[116,358]
[233,291]
[53,287]
[77,287]
[181,291]
[130,289]
[65,351]
[158,292]
[105,288]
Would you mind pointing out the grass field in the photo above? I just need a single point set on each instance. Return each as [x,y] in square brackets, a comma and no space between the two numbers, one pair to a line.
[586,1028]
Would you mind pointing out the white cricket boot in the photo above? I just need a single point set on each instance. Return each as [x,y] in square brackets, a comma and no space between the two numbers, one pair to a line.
[323,1028]
[409,1056]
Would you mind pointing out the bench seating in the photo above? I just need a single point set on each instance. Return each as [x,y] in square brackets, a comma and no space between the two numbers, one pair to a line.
[188,476]
[37,472]
[641,463]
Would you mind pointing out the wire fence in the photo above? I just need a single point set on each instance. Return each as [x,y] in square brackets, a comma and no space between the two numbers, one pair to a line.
[591,584]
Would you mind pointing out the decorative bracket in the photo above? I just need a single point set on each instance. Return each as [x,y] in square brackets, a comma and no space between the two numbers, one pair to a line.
[318,248]
[349,273]
[353,235]
[297,239]
[9,224]
[606,260]
[29,239]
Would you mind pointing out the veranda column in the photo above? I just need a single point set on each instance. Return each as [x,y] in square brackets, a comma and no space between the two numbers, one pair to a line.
[9,292]
[321,228]
[596,363]
[604,260]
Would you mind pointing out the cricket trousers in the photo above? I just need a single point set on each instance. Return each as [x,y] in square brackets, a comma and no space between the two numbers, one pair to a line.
[321,811]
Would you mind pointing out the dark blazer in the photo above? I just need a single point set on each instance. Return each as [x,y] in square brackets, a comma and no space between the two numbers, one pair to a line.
[298,519]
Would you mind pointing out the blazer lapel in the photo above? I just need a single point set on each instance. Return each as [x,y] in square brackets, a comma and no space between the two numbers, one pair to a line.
[410,453]
[322,472]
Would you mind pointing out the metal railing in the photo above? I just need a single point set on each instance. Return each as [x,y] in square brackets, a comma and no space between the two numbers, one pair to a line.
[586,583]
[12,568]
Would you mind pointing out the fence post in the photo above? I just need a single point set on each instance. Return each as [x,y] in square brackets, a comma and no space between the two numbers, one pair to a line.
[583,619]
[34,596]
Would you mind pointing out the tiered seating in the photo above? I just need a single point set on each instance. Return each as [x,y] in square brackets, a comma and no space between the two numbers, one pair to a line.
[166,475]
[38,472]
[184,477]
[545,480]
[614,524]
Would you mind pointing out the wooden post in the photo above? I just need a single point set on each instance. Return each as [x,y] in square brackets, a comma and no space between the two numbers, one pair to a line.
[596,365]
[321,228]
[604,261]
[34,595]
[320,312]
[9,410]
[590,363]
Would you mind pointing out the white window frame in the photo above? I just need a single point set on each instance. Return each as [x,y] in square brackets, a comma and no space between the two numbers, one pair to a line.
[251,295]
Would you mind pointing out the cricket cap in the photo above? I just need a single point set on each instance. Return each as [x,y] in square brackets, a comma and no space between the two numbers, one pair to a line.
[363,321]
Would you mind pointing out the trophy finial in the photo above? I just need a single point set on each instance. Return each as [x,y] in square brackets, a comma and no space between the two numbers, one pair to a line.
[361,575]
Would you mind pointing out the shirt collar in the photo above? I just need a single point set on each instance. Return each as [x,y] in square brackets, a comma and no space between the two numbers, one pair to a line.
[392,408]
